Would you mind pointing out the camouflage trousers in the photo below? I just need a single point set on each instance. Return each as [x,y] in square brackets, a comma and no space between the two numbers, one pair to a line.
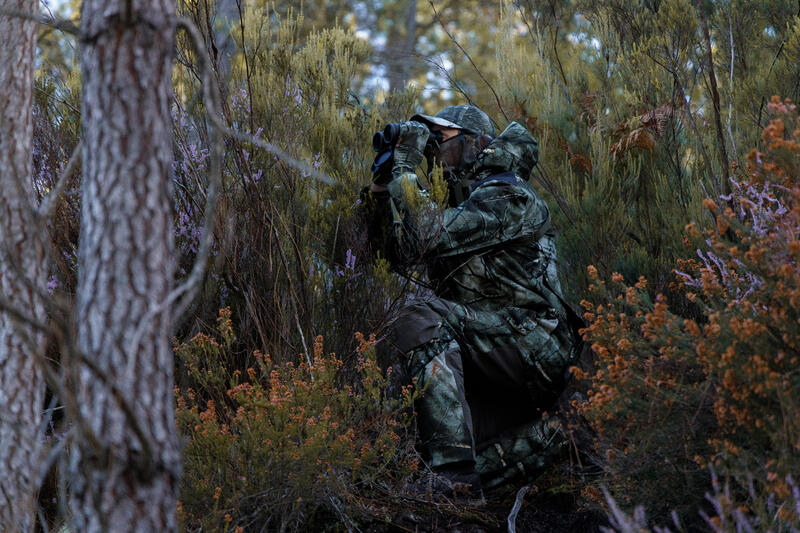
[486,376]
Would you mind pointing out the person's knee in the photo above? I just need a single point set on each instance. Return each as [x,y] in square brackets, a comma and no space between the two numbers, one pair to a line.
[417,324]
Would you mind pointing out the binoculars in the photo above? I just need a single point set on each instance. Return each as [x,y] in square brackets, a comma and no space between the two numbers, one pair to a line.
[386,139]
[384,142]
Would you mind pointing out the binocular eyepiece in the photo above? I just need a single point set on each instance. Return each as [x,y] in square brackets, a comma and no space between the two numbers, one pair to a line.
[386,139]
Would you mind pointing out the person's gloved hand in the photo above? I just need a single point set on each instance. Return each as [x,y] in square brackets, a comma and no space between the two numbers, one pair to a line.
[408,152]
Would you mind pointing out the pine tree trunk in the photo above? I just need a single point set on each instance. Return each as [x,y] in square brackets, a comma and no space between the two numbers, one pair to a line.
[125,466]
[21,384]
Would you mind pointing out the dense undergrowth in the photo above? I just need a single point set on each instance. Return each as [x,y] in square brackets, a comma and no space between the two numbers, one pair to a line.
[682,250]
[679,401]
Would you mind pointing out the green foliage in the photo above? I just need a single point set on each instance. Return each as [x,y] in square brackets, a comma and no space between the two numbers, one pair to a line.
[626,116]
[284,446]
[292,260]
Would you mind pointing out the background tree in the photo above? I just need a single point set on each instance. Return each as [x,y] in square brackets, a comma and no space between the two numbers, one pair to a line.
[21,276]
[124,466]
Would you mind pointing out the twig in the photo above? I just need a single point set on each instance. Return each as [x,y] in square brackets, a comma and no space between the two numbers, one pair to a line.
[469,58]
[712,77]
[512,516]
[687,110]
[766,78]
[50,201]
[543,179]
[555,53]
[246,64]
[47,418]
[61,101]
[452,81]
[294,302]
[50,377]
[42,519]
[44,5]
[281,154]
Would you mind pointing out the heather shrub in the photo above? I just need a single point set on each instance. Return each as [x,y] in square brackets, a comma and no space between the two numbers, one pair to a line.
[670,395]
[285,446]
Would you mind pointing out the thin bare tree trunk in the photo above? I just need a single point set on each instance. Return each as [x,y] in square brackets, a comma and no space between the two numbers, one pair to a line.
[721,150]
[125,466]
[21,383]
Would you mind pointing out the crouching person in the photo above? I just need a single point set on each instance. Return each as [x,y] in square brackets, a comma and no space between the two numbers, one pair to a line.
[492,345]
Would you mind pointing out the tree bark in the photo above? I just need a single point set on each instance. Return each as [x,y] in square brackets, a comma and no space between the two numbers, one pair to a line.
[21,383]
[125,466]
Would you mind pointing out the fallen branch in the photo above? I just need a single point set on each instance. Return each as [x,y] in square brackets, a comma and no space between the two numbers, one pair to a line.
[512,516]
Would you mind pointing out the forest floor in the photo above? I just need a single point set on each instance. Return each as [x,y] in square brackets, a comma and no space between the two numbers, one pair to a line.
[550,505]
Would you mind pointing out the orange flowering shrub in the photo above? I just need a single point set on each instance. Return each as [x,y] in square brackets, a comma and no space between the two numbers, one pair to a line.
[672,395]
[647,398]
[279,446]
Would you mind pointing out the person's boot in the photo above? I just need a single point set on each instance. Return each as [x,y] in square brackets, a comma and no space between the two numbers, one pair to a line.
[453,483]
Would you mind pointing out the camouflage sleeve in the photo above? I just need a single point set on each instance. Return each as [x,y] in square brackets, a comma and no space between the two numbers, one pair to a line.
[495,212]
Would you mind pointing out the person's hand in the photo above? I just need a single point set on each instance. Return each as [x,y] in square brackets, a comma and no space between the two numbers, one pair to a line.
[408,152]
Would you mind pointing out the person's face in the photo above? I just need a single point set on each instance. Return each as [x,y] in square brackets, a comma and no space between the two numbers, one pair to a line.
[449,151]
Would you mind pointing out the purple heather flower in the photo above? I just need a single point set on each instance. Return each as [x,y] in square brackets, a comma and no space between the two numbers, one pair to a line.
[52,284]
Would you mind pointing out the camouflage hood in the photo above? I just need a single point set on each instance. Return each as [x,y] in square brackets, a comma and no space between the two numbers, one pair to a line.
[515,149]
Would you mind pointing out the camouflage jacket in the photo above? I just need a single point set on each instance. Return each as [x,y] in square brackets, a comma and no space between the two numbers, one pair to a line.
[493,250]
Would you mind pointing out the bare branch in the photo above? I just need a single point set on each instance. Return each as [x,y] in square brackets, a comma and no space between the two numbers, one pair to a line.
[450,79]
[62,334]
[66,26]
[49,202]
[187,290]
